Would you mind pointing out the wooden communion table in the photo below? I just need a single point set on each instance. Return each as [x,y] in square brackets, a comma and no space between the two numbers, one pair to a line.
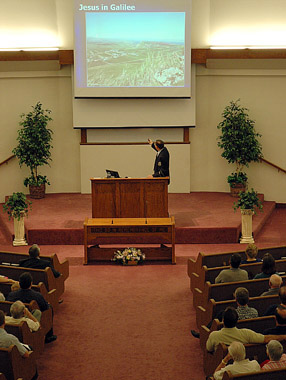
[99,231]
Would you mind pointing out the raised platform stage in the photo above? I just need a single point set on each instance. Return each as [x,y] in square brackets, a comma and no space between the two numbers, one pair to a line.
[200,218]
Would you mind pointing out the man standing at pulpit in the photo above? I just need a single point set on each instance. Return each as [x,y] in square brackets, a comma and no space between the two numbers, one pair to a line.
[161,165]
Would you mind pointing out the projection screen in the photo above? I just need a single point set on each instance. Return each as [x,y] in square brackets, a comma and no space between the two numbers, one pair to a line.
[132,49]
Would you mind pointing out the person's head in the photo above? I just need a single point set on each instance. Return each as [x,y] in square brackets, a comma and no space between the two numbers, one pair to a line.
[268,264]
[34,251]
[275,281]
[159,144]
[235,260]
[230,317]
[274,350]
[237,351]
[282,294]
[25,280]
[2,319]
[242,296]
[251,251]
[17,309]
[15,286]
[2,297]
[280,314]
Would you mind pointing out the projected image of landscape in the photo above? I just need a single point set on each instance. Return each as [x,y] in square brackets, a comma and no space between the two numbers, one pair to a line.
[140,49]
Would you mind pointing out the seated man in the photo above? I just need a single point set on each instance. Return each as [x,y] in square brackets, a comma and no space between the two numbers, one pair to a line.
[275,281]
[251,255]
[20,313]
[230,333]
[234,273]
[236,352]
[272,308]
[35,262]
[26,295]
[243,310]
[277,359]
[6,340]
[280,328]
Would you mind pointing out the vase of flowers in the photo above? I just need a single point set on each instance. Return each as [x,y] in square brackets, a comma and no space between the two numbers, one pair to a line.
[129,256]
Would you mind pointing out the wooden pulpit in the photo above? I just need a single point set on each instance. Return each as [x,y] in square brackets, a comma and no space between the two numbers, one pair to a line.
[129,197]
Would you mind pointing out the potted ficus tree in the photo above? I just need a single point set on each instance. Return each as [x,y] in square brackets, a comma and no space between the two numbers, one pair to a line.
[17,207]
[239,142]
[34,145]
[248,202]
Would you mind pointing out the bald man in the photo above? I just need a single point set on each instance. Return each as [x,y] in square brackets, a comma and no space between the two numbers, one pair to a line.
[275,281]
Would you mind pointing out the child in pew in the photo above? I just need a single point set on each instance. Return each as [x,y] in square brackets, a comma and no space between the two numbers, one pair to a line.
[251,255]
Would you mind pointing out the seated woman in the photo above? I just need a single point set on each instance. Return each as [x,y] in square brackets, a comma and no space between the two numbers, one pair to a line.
[251,255]
[236,352]
[277,359]
[268,267]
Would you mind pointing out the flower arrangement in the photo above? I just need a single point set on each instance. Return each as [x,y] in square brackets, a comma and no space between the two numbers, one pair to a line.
[128,256]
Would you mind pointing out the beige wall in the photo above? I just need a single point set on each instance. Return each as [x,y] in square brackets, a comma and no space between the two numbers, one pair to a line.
[262,91]
[260,85]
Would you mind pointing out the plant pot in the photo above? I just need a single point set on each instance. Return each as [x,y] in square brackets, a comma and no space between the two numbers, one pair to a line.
[19,232]
[246,227]
[236,188]
[37,192]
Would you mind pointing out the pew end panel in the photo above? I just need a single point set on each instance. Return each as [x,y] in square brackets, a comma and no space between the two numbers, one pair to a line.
[14,366]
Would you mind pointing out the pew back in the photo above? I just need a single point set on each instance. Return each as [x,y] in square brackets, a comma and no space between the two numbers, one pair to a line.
[213,308]
[13,366]
[15,257]
[225,291]
[209,274]
[274,374]
[222,258]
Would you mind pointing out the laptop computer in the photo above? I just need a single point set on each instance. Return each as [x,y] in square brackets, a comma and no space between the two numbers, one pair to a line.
[112,174]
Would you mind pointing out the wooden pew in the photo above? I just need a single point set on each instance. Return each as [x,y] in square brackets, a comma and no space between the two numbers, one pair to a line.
[46,319]
[15,257]
[211,260]
[253,351]
[14,366]
[50,296]
[209,274]
[225,291]
[35,339]
[213,308]
[39,275]
[271,374]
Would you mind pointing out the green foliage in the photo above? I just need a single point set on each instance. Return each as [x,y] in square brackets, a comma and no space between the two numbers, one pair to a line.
[17,205]
[238,139]
[239,177]
[34,140]
[36,182]
[248,201]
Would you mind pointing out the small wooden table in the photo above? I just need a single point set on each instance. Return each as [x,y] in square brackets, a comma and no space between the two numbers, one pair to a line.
[111,231]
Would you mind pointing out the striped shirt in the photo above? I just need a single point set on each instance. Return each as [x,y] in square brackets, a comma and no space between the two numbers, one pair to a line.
[276,364]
